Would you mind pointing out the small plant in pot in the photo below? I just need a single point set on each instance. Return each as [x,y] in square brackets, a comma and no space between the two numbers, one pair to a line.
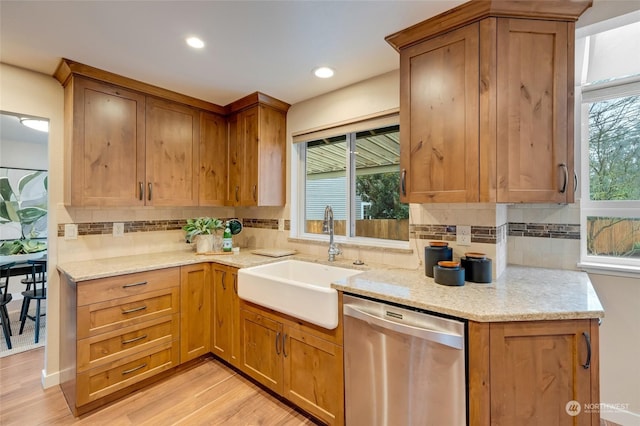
[202,230]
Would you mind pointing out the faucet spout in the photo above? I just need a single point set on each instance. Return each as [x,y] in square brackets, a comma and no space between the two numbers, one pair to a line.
[328,228]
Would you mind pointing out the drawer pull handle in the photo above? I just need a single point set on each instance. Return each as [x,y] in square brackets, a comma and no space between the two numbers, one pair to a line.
[277,340]
[587,338]
[224,279]
[566,177]
[134,284]
[135,339]
[284,345]
[131,370]
[141,191]
[235,284]
[132,310]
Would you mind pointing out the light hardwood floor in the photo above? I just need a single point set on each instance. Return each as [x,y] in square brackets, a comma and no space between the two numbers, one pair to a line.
[209,393]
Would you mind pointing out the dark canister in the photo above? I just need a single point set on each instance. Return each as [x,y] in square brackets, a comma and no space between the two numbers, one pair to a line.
[477,267]
[448,273]
[434,253]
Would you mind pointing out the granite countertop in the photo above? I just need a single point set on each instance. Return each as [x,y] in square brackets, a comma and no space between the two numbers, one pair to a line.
[521,293]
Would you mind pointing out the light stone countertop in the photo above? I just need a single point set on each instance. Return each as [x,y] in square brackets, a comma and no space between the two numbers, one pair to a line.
[521,293]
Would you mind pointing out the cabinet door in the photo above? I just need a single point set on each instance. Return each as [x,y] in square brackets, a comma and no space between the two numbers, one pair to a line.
[271,152]
[248,124]
[213,160]
[107,161]
[313,375]
[235,153]
[538,368]
[534,111]
[262,349]
[172,153]
[195,315]
[439,122]
[224,331]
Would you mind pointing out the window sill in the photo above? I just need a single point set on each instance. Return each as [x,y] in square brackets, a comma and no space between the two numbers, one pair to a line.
[378,245]
[609,269]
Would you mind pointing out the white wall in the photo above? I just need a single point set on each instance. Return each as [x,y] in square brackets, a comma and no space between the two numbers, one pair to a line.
[40,95]
[23,155]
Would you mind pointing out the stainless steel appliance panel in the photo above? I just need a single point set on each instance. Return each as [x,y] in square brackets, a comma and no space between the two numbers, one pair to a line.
[402,367]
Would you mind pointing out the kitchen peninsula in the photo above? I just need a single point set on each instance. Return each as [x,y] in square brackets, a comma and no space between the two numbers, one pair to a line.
[532,313]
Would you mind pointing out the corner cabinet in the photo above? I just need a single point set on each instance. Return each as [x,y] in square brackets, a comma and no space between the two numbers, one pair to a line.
[257,151]
[195,311]
[486,104]
[213,160]
[299,361]
[529,372]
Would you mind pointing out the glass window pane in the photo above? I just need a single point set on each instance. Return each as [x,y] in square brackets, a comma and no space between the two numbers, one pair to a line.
[379,213]
[614,149]
[613,236]
[326,184]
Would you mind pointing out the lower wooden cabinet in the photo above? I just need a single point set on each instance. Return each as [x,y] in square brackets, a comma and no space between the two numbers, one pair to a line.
[530,372]
[225,315]
[297,360]
[195,311]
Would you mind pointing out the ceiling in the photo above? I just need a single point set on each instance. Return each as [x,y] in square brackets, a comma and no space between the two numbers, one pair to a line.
[270,46]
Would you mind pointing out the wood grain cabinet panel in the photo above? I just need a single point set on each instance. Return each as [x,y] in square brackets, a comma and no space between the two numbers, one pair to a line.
[528,372]
[300,361]
[105,144]
[212,182]
[486,104]
[172,153]
[225,315]
[257,152]
[195,311]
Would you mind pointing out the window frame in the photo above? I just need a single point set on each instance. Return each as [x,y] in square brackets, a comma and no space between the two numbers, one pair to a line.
[298,186]
[605,208]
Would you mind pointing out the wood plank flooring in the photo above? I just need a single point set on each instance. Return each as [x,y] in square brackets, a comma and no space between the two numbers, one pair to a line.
[209,393]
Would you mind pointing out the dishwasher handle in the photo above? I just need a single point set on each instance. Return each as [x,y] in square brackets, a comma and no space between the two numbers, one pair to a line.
[448,339]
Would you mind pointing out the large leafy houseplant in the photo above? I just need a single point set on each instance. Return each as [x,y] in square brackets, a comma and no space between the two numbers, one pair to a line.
[14,208]
[201,226]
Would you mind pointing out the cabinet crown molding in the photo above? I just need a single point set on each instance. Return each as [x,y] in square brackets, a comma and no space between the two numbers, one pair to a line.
[475,10]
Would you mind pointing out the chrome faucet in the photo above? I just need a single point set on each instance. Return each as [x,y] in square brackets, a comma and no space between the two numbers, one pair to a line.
[327,228]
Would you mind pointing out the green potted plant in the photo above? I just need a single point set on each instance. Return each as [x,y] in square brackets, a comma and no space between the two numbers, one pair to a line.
[17,210]
[202,230]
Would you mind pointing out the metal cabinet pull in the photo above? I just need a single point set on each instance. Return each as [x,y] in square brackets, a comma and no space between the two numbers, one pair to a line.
[575,182]
[255,192]
[224,278]
[277,341]
[141,191]
[566,177]
[138,309]
[135,339]
[587,364]
[237,189]
[284,346]
[131,370]
[235,284]
[150,187]
[134,284]
[403,182]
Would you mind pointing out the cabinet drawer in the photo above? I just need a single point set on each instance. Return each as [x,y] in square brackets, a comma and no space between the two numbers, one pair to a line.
[102,381]
[112,315]
[104,289]
[108,347]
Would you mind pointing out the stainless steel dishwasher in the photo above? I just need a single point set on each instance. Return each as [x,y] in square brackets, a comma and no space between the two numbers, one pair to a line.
[402,367]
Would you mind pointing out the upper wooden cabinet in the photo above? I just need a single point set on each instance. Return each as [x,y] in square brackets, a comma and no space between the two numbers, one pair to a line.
[172,153]
[257,151]
[486,109]
[213,160]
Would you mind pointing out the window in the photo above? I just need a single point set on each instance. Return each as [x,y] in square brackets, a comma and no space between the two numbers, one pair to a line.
[357,173]
[610,205]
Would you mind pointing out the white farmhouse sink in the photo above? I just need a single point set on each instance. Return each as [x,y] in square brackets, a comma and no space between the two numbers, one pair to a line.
[293,287]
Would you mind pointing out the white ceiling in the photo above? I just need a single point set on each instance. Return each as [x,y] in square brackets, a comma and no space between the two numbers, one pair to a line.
[270,46]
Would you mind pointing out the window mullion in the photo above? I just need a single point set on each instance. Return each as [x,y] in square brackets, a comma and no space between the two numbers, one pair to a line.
[351,180]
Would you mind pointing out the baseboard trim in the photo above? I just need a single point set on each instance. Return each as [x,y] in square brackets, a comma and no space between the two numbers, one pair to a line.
[49,380]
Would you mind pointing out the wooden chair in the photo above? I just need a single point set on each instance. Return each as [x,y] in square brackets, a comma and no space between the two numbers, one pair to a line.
[5,298]
[37,293]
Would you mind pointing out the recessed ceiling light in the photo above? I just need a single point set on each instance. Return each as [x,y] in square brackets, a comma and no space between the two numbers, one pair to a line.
[323,72]
[195,42]
[34,123]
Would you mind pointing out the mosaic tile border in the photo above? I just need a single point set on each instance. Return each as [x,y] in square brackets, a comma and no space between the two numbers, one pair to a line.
[564,231]
[479,234]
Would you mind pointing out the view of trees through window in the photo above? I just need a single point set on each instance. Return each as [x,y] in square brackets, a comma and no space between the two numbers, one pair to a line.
[614,174]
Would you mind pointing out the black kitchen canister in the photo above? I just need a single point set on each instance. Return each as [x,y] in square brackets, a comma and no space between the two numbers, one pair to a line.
[477,268]
[434,253]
